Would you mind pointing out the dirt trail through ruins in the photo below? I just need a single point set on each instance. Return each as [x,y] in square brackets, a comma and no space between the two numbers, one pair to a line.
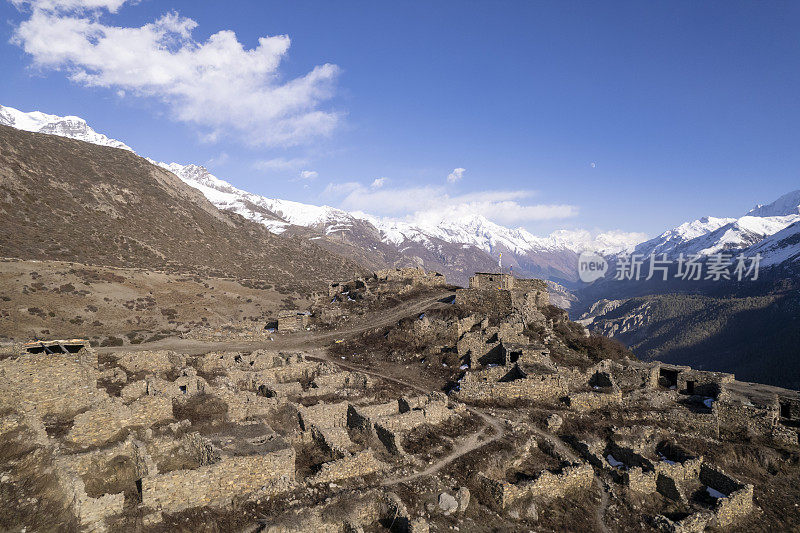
[298,341]
[314,345]
[473,442]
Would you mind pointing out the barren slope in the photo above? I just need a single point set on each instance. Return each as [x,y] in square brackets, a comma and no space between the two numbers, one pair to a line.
[69,200]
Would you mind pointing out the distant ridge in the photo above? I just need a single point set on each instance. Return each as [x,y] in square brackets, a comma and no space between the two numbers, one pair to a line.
[456,248]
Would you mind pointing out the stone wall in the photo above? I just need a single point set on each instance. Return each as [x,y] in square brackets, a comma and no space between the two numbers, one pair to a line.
[344,380]
[289,321]
[52,384]
[153,361]
[335,440]
[494,304]
[639,480]
[790,408]
[587,401]
[501,494]
[737,416]
[463,325]
[81,464]
[219,483]
[258,360]
[480,348]
[550,484]
[739,501]
[413,275]
[108,418]
[490,281]
[694,523]
[363,413]
[633,376]
[484,386]
[323,415]
[92,512]
[243,405]
[357,465]
[785,436]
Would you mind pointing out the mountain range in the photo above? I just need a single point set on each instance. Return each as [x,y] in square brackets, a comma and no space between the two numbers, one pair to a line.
[456,248]
[468,244]
[711,235]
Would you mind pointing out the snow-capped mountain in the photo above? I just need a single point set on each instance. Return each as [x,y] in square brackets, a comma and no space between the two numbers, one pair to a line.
[711,235]
[482,233]
[455,246]
[782,248]
[277,215]
[439,243]
[680,235]
[69,126]
[788,204]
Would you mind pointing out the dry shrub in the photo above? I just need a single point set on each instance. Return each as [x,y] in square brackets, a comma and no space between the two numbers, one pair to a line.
[201,409]
[118,475]
[31,498]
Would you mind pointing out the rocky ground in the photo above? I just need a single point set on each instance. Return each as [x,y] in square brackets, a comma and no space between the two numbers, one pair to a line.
[117,306]
[400,408]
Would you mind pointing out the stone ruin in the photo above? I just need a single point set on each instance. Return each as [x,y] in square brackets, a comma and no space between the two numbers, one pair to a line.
[126,415]
[647,461]
[532,470]
[392,280]
[155,433]
[499,296]
[411,275]
[293,320]
[501,366]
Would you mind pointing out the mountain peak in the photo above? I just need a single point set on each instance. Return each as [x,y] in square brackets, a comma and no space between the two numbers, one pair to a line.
[788,204]
[69,126]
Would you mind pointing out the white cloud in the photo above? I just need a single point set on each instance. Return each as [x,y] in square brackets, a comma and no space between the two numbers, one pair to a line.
[308,174]
[70,5]
[279,164]
[434,203]
[377,183]
[456,175]
[217,85]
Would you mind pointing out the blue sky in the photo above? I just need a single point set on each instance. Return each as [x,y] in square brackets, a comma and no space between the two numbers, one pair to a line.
[617,115]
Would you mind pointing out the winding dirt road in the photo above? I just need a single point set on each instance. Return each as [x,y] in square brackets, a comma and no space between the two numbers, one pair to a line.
[303,340]
[314,345]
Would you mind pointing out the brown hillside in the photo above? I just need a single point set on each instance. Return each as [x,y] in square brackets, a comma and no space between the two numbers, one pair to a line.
[62,199]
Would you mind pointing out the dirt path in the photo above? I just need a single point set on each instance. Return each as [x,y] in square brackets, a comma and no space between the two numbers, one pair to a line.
[313,343]
[600,512]
[300,341]
[473,442]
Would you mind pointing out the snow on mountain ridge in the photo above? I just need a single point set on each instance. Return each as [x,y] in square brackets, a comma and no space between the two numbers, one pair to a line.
[478,231]
[672,238]
[475,230]
[69,126]
[707,235]
[781,248]
[788,204]
[274,213]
